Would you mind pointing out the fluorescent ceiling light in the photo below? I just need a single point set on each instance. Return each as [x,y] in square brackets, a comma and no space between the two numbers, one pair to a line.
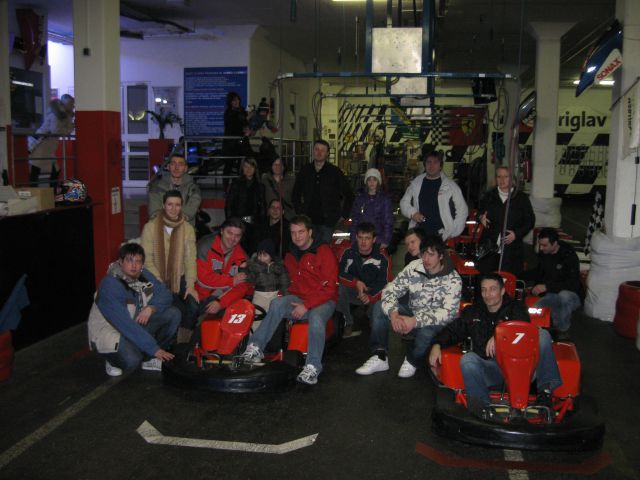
[604,83]
[591,69]
[24,84]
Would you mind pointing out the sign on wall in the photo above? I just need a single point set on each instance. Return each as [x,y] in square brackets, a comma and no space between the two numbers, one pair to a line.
[205,92]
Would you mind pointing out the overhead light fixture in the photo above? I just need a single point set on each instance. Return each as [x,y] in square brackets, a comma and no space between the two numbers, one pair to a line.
[591,69]
[604,83]
[23,84]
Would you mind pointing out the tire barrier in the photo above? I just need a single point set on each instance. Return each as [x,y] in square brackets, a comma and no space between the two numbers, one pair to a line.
[625,322]
[614,260]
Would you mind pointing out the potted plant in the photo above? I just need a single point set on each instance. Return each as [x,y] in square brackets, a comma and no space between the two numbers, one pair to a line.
[160,147]
[164,119]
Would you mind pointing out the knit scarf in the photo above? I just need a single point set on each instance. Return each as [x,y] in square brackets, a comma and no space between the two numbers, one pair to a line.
[142,288]
[169,265]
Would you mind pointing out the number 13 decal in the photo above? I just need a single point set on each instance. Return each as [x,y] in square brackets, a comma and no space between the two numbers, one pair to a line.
[237,318]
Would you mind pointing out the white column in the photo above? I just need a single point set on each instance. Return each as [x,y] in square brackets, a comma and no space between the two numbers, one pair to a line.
[621,174]
[5,88]
[548,36]
[96,47]
[615,256]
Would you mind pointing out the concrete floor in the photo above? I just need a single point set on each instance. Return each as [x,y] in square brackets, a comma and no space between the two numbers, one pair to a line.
[61,417]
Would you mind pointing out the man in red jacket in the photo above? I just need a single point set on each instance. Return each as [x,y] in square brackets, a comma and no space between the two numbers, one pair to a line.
[219,281]
[313,292]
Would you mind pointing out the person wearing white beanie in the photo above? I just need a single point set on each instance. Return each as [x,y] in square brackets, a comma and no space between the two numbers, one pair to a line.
[374,206]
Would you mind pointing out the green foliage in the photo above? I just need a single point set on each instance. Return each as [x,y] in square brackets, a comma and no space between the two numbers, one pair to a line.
[165,119]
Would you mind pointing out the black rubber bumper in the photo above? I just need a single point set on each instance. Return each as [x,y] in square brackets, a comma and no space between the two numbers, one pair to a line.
[580,431]
[270,377]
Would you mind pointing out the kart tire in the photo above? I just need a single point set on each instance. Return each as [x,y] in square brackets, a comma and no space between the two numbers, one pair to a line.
[580,431]
[182,372]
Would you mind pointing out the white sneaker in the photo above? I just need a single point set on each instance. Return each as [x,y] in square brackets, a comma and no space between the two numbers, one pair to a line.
[154,365]
[406,369]
[111,370]
[252,354]
[308,375]
[373,365]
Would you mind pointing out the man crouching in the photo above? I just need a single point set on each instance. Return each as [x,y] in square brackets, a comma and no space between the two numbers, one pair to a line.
[433,288]
[132,318]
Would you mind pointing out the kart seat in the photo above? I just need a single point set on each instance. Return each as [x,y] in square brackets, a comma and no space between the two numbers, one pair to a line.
[517,353]
[299,335]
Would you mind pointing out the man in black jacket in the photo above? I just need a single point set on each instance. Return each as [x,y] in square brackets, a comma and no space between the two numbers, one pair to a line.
[322,192]
[520,221]
[557,280]
[479,367]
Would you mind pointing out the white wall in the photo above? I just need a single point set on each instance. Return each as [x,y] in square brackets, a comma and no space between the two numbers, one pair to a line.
[61,63]
[161,61]
[266,62]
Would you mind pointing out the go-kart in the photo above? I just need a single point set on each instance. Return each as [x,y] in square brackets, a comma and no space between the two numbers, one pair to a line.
[212,361]
[517,419]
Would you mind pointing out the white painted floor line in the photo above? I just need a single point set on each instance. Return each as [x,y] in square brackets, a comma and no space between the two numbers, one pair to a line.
[515,456]
[152,435]
[24,444]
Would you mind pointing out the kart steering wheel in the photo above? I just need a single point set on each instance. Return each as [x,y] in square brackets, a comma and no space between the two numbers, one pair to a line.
[260,312]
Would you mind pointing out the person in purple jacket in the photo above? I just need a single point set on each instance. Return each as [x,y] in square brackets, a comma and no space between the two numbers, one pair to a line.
[374,206]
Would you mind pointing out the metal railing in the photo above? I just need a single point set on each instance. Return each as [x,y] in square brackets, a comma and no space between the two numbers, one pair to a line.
[213,153]
[67,159]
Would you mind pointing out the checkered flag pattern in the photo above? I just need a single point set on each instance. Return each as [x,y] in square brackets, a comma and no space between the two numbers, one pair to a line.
[596,222]
[439,131]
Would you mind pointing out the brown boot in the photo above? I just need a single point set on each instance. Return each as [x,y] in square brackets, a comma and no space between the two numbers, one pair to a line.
[184,335]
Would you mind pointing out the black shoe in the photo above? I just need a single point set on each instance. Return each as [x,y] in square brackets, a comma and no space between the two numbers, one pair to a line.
[545,399]
[562,336]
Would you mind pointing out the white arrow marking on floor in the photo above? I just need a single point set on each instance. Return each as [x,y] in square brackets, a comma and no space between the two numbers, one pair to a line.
[515,456]
[152,435]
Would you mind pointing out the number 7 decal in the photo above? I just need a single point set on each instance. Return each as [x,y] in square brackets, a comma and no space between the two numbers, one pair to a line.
[519,337]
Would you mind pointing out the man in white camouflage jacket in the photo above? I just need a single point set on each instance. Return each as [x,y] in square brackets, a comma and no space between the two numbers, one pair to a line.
[433,288]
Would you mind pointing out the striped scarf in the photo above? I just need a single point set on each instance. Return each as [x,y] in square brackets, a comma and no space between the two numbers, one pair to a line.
[169,266]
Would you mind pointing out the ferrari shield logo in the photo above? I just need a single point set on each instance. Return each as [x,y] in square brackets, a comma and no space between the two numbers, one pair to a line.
[468,126]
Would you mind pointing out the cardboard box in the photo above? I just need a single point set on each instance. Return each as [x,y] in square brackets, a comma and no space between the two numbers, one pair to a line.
[43,196]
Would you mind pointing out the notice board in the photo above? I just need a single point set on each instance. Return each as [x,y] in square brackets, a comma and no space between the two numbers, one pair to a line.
[205,93]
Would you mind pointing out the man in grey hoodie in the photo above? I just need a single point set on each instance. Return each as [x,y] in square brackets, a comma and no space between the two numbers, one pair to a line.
[178,179]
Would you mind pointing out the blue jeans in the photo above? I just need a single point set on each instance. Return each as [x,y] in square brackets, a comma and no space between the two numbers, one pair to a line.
[479,373]
[162,326]
[318,317]
[379,339]
[562,305]
[348,296]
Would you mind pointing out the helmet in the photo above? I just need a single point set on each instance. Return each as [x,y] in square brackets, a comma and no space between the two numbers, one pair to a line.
[72,191]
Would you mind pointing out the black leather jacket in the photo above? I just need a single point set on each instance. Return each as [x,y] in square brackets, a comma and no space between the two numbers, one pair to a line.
[478,324]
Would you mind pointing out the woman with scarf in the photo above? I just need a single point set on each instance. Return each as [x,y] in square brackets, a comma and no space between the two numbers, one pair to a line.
[374,206]
[169,242]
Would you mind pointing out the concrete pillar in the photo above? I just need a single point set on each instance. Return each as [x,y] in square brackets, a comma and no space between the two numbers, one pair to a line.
[5,87]
[96,28]
[548,36]
[621,174]
[615,255]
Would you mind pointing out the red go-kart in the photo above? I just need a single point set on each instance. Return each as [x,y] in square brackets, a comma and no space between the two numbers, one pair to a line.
[517,421]
[213,361]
